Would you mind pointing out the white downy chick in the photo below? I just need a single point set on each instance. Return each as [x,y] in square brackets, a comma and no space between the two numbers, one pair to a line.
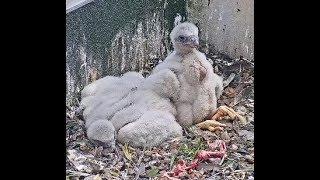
[199,85]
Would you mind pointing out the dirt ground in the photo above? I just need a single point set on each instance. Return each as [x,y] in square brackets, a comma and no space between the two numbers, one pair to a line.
[84,161]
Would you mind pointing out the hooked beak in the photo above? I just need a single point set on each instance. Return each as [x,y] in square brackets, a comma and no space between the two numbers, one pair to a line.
[194,42]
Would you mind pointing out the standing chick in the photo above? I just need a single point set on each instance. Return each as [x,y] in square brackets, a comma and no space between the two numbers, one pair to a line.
[199,85]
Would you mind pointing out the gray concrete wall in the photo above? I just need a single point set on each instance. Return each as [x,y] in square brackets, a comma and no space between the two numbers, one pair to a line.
[227,26]
[111,37]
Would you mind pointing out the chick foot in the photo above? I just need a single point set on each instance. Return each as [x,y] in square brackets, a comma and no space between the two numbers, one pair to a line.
[226,111]
[213,125]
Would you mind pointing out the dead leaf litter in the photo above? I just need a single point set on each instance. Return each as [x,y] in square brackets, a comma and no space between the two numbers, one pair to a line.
[200,154]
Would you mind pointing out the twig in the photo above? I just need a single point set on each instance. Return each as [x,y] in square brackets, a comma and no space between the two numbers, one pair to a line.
[77,173]
[246,83]
[228,81]
[138,164]
[214,175]
[117,152]
[238,102]
[232,175]
[221,161]
[69,107]
[242,170]
[248,61]
[235,102]
[241,174]
[78,103]
[124,175]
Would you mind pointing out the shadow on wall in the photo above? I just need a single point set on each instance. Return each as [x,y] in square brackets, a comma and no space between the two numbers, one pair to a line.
[110,37]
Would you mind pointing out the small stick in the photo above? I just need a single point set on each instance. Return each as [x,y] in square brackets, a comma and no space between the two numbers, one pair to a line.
[77,173]
[138,163]
[248,61]
[228,81]
[221,161]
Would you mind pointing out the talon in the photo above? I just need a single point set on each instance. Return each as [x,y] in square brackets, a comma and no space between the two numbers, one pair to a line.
[212,129]
[211,125]
[226,111]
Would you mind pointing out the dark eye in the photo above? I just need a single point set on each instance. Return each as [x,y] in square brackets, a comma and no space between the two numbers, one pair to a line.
[182,37]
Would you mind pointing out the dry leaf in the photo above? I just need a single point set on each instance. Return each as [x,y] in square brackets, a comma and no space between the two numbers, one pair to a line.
[251,149]
[242,119]
[207,166]
[229,91]
[233,147]
[248,135]
[77,159]
[93,74]
[249,158]
[216,69]
[225,135]
[113,173]
[97,177]
[98,151]
[126,152]
[152,172]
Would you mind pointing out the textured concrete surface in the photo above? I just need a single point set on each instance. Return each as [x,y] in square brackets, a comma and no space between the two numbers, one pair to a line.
[227,26]
[111,37]
[75,4]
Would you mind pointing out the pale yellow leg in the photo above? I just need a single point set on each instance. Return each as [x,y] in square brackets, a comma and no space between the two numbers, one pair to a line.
[213,125]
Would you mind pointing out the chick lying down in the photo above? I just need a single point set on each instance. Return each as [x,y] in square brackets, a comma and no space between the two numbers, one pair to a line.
[144,117]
